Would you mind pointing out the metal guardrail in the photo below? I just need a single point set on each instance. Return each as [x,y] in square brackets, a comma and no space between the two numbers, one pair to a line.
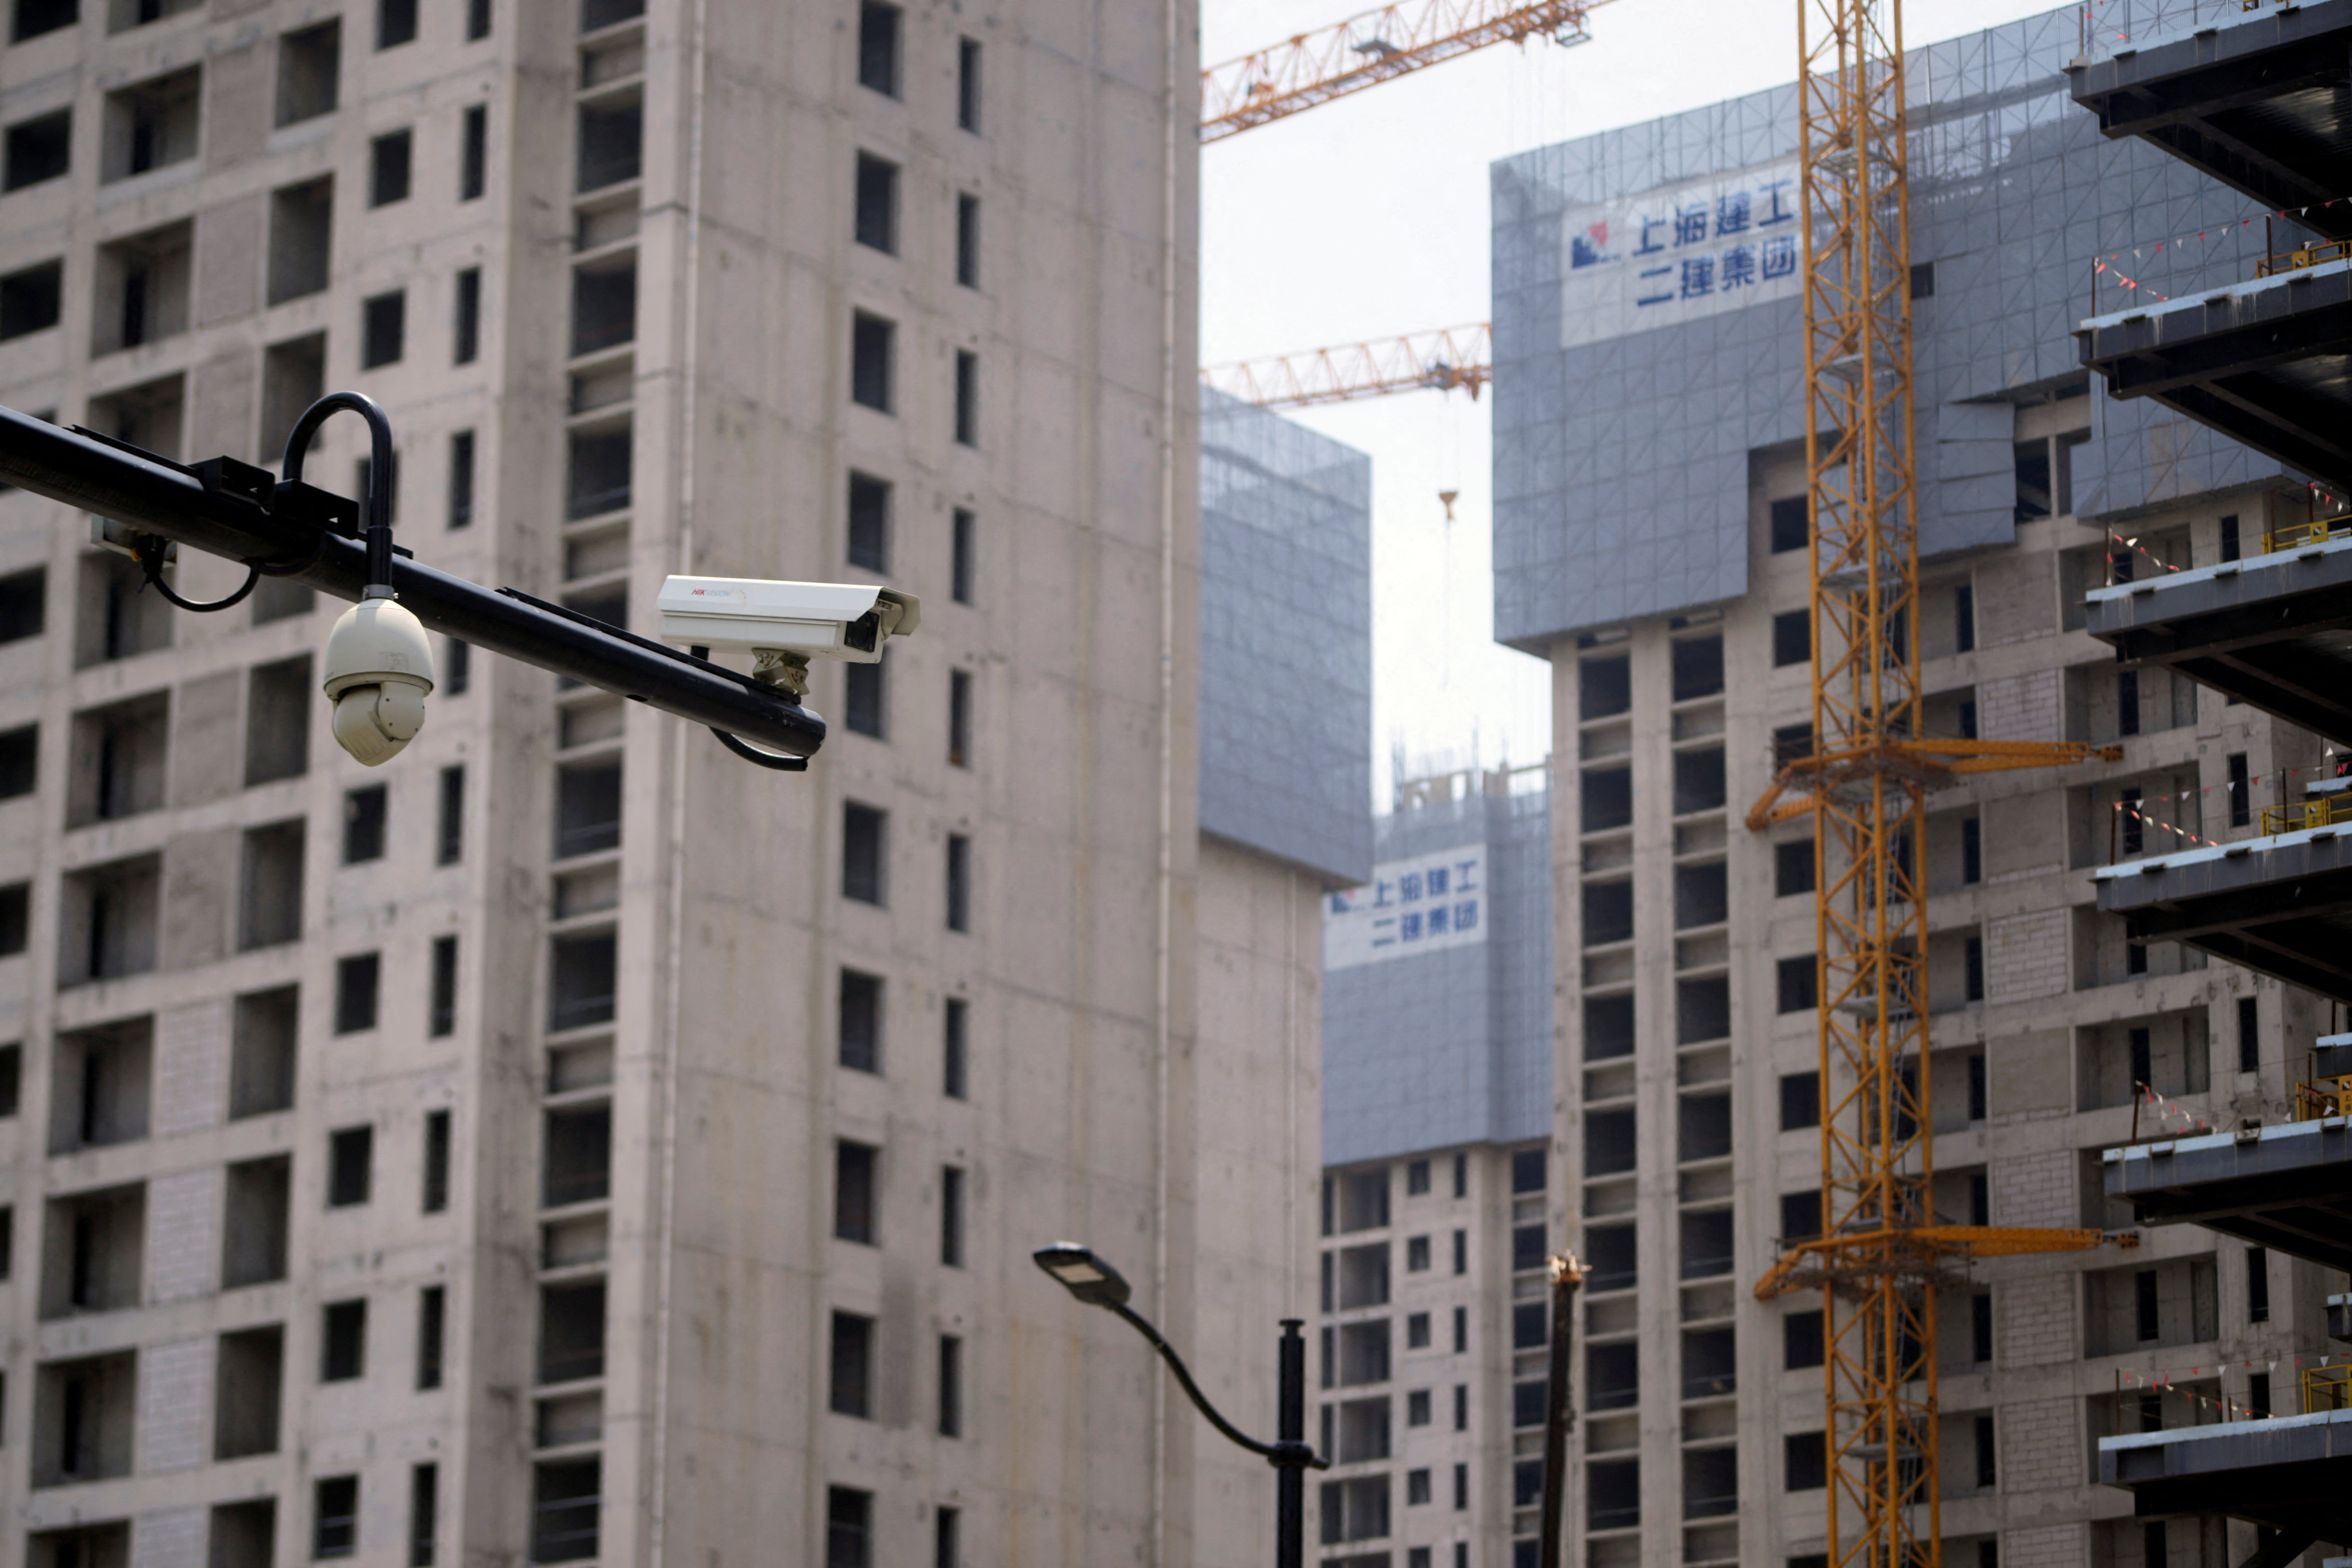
[2316,530]
[2326,515]
[2106,28]
[2319,811]
[2302,255]
[2323,1097]
[2326,1388]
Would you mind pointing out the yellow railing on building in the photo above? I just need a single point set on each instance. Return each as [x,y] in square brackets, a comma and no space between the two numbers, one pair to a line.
[2313,530]
[2318,811]
[2326,1388]
[2310,255]
[2323,1097]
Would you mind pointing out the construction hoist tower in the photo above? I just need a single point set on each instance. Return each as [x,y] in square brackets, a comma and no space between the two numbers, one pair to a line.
[1882,1253]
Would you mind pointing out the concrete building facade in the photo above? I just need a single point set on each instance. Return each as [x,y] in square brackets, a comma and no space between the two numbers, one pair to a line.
[569,1143]
[1437,1103]
[1650,538]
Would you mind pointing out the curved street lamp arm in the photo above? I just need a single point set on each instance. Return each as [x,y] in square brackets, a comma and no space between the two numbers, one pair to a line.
[1281,1454]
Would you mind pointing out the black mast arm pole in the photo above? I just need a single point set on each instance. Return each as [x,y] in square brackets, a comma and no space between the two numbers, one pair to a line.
[242,517]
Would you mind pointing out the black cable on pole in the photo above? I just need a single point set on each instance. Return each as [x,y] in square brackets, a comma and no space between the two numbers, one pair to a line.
[781,762]
[149,553]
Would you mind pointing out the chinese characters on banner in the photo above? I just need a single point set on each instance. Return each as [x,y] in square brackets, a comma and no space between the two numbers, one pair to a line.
[1680,252]
[1419,905]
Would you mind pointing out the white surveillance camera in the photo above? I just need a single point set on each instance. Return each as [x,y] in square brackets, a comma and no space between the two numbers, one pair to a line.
[379,672]
[785,625]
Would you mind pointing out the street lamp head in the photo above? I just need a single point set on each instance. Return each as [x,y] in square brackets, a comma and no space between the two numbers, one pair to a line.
[1084,1274]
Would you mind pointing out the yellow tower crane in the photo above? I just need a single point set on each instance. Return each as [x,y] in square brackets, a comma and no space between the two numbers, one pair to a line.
[1367,49]
[1330,63]
[1882,1253]
[1444,360]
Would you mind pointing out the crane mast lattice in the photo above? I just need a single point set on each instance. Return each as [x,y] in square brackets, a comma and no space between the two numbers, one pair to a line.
[1877,1163]
[1882,1255]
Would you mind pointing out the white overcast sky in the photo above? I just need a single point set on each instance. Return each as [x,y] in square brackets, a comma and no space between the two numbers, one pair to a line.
[1367,217]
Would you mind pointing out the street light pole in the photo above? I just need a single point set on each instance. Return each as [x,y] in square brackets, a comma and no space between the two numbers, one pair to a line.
[1097,1284]
[1290,1432]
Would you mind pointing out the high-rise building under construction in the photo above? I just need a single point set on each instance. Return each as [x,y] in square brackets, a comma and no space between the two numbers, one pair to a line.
[1651,532]
[569,1142]
[1436,1121]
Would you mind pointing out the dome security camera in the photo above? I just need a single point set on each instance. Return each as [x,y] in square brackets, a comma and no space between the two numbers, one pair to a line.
[379,672]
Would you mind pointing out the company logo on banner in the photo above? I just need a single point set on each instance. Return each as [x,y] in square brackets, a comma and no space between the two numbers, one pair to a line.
[1421,905]
[1680,252]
